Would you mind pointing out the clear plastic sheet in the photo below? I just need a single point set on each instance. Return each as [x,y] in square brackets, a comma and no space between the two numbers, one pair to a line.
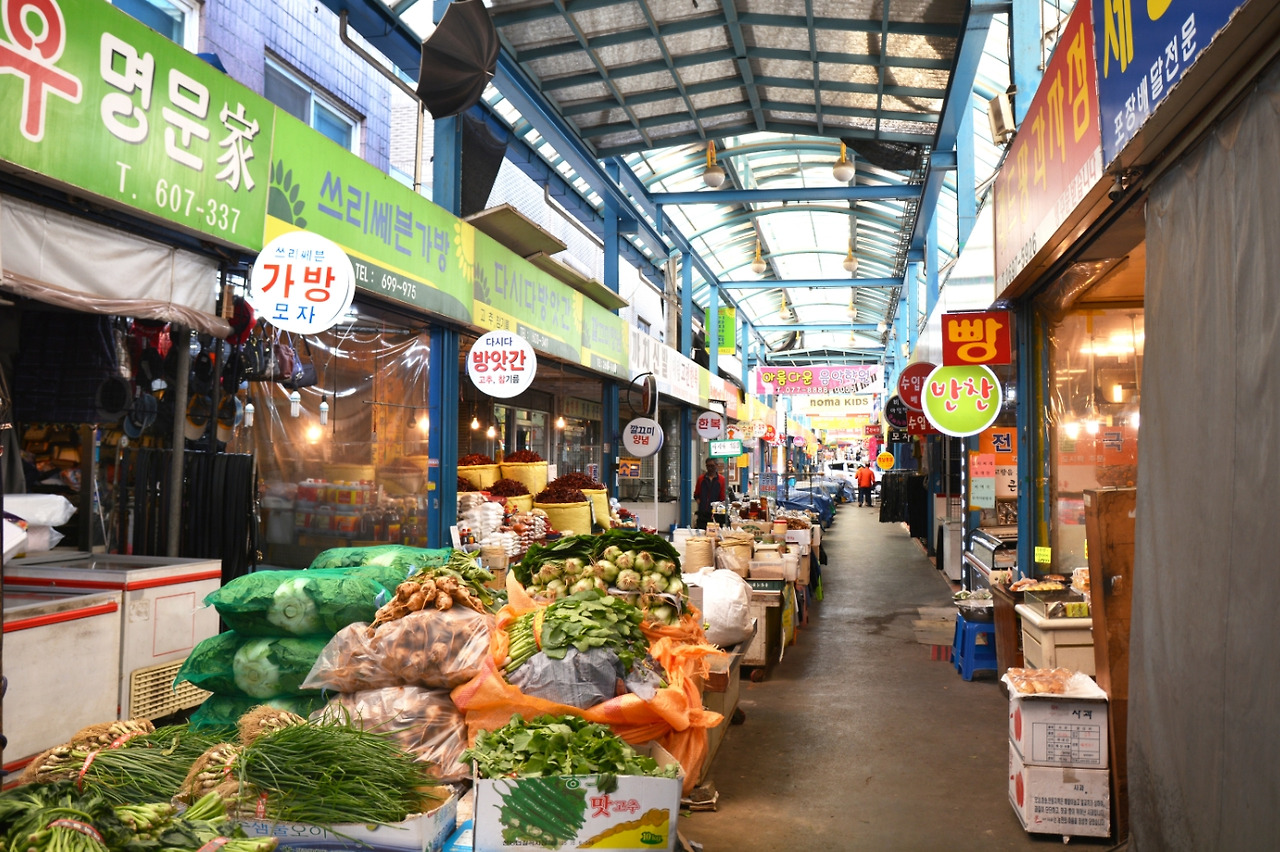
[423,722]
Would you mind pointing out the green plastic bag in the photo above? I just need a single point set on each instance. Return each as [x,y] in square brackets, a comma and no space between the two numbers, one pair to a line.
[300,603]
[251,666]
[221,711]
[407,559]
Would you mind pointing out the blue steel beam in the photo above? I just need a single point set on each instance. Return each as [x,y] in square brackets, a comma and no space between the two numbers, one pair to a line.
[959,91]
[1024,70]
[844,325]
[795,193]
[816,283]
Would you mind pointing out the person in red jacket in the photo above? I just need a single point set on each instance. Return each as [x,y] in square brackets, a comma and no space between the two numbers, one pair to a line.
[709,489]
[866,481]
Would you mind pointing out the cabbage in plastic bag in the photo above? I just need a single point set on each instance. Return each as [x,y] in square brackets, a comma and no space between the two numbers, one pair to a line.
[437,649]
[221,711]
[423,722]
[251,666]
[397,556]
[298,603]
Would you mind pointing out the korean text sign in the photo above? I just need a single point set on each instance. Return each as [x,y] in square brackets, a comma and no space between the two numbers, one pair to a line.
[816,379]
[977,337]
[94,99]
[911,383]
[1144,49]
[502,364]
[1056,158]
[301,282]
[962,401]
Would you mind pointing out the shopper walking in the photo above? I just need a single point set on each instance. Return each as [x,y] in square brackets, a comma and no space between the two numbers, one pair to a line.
[866,481]
[709,489]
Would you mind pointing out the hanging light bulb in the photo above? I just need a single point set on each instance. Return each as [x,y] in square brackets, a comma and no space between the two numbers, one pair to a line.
[560,422]
[475,423]
[850,262]
[295,404]
[314,433]
[853,308]
[424,423]
[324,411]
[758,266]
[844,169]
[1072,429]
[248,414]
[881,328]
[491,432]
[713,175]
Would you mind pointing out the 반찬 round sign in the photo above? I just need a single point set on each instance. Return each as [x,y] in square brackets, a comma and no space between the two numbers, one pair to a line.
[301,282]
[502,364]
[961,400]
[642,437]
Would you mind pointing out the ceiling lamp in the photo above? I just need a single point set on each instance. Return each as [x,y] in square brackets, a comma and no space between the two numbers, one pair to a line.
[850,262]
[881,328]
[853,309]
[843,170]
[713,176]
[758,266]
[784,312]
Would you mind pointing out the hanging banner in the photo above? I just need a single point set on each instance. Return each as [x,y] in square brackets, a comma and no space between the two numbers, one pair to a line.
[962,401]
[301,282]
[642,437]
[93,99]
[898,436]
[502,364]
[977,337]
[726,331]
[833,405]
[605,336]
[911,383]
[1056,157]
[1144,49]
[1002,445]
[816,379]
[677,376]
[918,424]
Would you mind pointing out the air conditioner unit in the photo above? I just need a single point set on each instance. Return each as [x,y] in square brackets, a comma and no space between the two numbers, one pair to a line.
[1000,116]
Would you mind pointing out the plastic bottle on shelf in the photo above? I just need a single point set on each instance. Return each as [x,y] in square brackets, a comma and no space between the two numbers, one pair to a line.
[393,523]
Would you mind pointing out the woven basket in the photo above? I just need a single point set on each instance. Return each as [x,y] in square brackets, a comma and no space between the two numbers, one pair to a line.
[532,474]
[479,475]
[519,503]
[599,498]
[568,517]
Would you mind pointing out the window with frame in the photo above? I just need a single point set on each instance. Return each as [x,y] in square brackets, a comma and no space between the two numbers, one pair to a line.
[176,20]
[298,98]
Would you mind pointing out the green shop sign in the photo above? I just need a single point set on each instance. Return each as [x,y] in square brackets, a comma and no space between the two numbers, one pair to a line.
[604,340]
[97,101]
[402,247]
[514,295]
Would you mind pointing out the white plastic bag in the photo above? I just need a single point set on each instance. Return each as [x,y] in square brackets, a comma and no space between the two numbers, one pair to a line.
[51,510]
[726,605]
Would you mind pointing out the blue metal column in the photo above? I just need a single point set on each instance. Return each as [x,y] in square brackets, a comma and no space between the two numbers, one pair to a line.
[609,432]
[1024,33]
[966,181]
[913,306]
[686,304]
[1026,402]
[611,249]
[932,284]
[713,329]
[686,467]
[443,392]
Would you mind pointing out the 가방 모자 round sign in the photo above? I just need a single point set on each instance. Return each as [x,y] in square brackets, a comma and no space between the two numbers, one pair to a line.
[961,400]
[301,282]
[502,364]
[642,437]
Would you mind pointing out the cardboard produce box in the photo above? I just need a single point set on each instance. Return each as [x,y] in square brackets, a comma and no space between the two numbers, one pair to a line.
[640,813]
[420,833]
[1061,730]
[1060,799]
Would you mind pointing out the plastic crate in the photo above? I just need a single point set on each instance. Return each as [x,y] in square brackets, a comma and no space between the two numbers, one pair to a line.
[766,585]
[152,693]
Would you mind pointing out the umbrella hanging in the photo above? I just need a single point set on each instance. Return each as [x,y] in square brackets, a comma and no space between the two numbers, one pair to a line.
[458,59]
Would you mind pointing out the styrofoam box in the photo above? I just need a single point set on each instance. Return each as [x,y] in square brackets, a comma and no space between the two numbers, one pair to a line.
[1058,730]
[419,833]
[1060,799]
[641,812]
[800,537]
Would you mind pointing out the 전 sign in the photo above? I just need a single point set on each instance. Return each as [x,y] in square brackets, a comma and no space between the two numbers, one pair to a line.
[502,364]
[642,437]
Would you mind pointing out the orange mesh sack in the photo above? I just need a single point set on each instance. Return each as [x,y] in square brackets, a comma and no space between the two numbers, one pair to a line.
[674,717]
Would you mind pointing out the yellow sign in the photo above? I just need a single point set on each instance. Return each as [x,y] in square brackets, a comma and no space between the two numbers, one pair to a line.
[885,460]
[1044,555]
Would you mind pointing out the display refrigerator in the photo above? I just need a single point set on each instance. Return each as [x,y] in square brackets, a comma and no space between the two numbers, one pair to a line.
[161,617]
[62,664]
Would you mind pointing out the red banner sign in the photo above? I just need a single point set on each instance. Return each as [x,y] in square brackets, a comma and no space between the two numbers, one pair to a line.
[976,337]
[1056,157]
[918,424]
[911,382]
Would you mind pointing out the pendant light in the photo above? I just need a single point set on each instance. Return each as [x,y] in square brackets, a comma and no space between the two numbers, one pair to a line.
[295,404]
[844,169]
[850,262]
[713,175]
[324,411]
[758,266]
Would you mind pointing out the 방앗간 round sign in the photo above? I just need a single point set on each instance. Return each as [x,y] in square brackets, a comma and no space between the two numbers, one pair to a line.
[301,282]
[502,364]
[962,400]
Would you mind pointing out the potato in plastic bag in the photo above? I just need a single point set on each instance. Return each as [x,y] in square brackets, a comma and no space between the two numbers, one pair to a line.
[436,649]
[423,722]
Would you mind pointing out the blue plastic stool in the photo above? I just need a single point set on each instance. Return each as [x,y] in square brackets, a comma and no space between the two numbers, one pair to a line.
[967,654]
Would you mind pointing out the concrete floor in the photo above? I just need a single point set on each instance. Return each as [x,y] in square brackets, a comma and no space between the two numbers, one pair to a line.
[857,739]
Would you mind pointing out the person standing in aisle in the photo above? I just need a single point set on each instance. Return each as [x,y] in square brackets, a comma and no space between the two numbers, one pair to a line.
[866,481]
[709,489]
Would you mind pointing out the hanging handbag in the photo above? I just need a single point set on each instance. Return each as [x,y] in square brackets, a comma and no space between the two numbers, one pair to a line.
[255,362]
[304,375]
[284,360]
